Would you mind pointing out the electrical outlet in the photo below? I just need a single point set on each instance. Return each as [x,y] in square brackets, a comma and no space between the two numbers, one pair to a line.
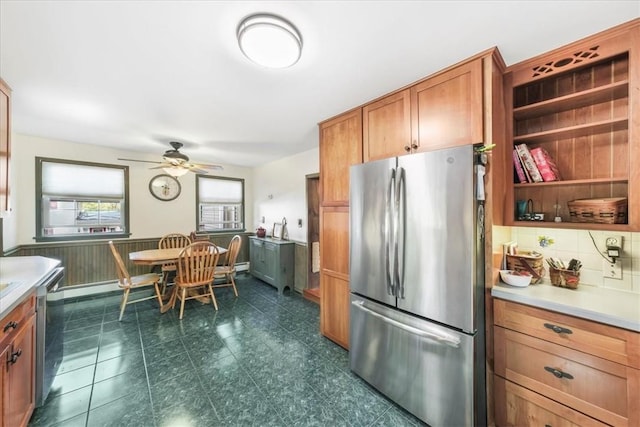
[614,241]
[612,271]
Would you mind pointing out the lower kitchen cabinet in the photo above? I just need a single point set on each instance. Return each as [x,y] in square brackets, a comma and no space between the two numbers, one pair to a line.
[334,274]
[272,261]
[555,369]
[522,407]
[334,309]
[17,357]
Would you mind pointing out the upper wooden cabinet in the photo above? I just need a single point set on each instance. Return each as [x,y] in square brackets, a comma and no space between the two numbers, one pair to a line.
[580,103]
[387,127]
[340,147]
[5,143]
[444,110]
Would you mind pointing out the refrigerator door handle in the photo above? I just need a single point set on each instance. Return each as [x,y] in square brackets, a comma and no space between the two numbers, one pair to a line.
[443,338]
[388,225]
[399,233]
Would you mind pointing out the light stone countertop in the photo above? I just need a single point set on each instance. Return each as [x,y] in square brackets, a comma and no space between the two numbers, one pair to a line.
[22,274]
[608,306]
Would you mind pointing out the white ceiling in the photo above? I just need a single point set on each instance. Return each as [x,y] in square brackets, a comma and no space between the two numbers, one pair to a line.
[135,75]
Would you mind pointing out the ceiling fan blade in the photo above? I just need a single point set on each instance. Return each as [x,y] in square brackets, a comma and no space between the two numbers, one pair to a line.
[209,167]
[196,169]
[140,161]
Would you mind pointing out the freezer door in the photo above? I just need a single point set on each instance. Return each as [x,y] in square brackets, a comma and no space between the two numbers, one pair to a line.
[438,236]
[424,367]
[371,230]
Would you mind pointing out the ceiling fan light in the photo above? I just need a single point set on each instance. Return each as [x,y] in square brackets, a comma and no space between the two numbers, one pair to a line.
[269,40]
[175,171]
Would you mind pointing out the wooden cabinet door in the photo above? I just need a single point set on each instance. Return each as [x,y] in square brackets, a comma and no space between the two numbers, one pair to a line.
[256,258]
[334,309]
[446,110]
[4,395]
[340,147]
[271,260]
[19,380]
[334,274]
[386,127]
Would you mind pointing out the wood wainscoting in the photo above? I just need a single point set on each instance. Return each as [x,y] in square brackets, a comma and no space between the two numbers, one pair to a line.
[90,262]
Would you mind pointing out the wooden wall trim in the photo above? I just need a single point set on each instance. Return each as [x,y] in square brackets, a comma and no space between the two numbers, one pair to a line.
[89,262]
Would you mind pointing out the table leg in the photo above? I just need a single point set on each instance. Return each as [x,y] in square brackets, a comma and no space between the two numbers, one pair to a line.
[172,298]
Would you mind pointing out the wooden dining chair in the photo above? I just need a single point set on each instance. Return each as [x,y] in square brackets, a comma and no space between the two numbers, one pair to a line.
[172,240]
[228,269]
[128,282]
[196,269]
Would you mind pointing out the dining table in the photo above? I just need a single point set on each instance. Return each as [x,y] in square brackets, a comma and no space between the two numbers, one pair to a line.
[155,257]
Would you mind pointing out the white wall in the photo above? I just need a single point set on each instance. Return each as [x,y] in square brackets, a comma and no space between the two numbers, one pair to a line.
[149,217]
[280,191]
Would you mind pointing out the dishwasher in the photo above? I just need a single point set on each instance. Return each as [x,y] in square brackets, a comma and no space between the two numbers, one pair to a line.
[49,332]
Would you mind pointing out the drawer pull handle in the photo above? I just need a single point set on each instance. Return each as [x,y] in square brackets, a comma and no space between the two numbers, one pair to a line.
[558,373]
[407,148]
[14,356]
[558,329]
[13,324]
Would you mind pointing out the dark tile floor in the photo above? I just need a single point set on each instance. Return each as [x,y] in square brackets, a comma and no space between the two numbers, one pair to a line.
[258,361]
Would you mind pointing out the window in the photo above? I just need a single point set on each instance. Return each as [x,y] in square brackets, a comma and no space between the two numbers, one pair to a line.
[79,200]
[220,203]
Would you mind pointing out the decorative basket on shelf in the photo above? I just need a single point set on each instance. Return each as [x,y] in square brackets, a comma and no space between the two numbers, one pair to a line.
[564,278]
[611,210]
[529,262]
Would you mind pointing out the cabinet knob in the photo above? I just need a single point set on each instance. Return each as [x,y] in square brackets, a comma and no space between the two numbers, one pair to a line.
[407,148]
[14,356]
[414,146]
[558,373]
[558,329]
[13,324]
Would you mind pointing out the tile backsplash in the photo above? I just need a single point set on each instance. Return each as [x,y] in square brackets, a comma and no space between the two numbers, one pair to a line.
[578,244]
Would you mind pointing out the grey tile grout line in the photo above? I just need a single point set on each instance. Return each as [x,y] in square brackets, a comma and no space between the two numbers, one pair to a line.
[146,370]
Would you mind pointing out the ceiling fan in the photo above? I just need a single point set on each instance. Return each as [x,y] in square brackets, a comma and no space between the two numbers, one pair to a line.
[176,163]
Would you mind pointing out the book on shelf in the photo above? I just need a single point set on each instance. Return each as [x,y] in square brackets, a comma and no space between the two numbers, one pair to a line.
[546,165]
[517,164]
[529,164]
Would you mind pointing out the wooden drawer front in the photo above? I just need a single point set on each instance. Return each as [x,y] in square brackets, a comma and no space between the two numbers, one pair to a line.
[12,322]
[599,388]
[523,408]
[611,343]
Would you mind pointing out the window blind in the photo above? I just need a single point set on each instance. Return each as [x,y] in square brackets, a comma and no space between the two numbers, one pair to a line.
[72,180]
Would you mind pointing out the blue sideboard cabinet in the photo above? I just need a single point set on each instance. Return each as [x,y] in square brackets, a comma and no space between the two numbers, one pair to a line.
[272,261]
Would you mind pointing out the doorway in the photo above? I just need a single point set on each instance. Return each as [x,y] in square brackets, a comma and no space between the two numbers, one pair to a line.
[312,292]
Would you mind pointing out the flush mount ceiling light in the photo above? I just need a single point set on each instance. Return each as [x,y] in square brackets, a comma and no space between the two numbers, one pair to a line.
[269,40]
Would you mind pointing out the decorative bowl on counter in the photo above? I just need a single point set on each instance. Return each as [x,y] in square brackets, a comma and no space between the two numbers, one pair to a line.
[515,278]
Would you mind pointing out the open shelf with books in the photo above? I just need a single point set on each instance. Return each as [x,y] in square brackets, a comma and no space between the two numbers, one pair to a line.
[572,133]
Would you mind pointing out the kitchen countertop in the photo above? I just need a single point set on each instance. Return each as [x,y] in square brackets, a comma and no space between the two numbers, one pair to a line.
[22,274]
[609,306]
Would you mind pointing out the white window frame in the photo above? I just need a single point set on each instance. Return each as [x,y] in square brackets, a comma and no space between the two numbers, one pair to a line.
[75,183]
[223,198]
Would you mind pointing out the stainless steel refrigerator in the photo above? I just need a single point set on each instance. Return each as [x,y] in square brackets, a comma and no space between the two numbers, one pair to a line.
[417,283]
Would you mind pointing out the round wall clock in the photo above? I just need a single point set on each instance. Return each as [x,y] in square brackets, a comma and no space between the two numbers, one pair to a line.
[164,187]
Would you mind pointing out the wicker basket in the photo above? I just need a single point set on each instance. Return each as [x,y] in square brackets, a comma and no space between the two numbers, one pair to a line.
[528,262]
[602,211]
[564,278]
